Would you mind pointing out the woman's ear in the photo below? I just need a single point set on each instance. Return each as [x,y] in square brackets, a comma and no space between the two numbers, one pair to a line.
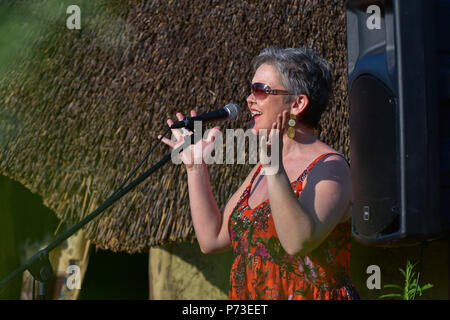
[299,104]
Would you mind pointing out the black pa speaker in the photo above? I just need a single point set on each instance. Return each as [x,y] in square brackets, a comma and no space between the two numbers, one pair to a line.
[399,93]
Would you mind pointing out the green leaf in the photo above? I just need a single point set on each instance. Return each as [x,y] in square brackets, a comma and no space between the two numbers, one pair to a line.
[412,285]
[391,295]
[419,290]
[427,286]
[411,291]
[393,286]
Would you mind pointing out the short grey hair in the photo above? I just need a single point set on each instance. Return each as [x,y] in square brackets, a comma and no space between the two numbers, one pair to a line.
[301,71]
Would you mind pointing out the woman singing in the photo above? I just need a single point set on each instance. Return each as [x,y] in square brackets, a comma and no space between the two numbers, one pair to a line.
[289,229]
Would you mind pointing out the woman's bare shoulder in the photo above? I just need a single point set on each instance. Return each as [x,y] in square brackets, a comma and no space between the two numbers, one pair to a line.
[335,161]
[323,148]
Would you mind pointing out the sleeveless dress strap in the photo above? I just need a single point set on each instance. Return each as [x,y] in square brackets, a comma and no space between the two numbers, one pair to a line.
[312,164]
[304,173]
[255,175]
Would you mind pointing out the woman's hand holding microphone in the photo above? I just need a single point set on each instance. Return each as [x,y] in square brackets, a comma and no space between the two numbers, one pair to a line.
[192,155]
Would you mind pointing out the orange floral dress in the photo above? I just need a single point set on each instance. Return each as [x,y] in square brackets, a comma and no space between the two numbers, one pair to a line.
[263,270]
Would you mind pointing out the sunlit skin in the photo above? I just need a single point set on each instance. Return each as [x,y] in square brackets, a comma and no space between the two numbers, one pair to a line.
[301,224]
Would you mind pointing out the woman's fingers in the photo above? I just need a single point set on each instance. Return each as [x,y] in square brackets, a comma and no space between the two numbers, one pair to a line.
[180,116]
[179,134]
[167,141]
[284,121]
[271,133]
[280,124]
[279,121]
[264,145]
[212,134]
[176,133]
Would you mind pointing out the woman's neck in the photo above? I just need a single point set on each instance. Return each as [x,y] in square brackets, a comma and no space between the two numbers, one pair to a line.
[302,142]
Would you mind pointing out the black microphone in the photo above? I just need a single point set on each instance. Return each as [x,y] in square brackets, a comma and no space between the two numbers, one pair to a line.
[230,111]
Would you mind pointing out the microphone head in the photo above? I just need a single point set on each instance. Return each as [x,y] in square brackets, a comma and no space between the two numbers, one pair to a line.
[233,110]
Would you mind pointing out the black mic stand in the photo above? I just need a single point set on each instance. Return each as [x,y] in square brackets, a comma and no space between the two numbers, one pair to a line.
[39,264]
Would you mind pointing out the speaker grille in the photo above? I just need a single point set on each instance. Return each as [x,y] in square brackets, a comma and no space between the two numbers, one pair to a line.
[374,154]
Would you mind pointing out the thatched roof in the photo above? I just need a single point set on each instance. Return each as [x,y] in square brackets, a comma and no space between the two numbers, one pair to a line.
[81,109]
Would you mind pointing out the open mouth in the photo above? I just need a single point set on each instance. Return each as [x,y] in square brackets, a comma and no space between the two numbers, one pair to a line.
[255,113]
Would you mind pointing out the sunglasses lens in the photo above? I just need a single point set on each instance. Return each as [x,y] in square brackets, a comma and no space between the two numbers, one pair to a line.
[259,90]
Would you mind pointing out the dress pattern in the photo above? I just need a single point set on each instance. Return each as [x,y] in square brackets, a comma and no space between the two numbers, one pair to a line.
[263,270]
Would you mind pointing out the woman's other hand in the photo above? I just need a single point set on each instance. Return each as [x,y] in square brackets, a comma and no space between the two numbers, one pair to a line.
[192,156]
[271,147]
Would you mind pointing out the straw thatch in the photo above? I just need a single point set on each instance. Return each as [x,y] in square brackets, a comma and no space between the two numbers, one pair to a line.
[83,107]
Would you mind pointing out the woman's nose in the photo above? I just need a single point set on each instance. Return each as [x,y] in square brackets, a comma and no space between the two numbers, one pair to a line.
[251,99]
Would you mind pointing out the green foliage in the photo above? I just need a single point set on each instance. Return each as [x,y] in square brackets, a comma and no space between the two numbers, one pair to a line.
[407,292]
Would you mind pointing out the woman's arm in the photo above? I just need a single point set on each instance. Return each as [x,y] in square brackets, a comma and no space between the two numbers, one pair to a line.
[302,224]
[210,223]
[206,215]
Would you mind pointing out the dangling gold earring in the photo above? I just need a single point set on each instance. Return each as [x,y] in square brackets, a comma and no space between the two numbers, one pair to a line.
[291,130]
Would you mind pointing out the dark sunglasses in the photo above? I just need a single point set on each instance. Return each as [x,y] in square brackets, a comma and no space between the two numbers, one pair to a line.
[262,90]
